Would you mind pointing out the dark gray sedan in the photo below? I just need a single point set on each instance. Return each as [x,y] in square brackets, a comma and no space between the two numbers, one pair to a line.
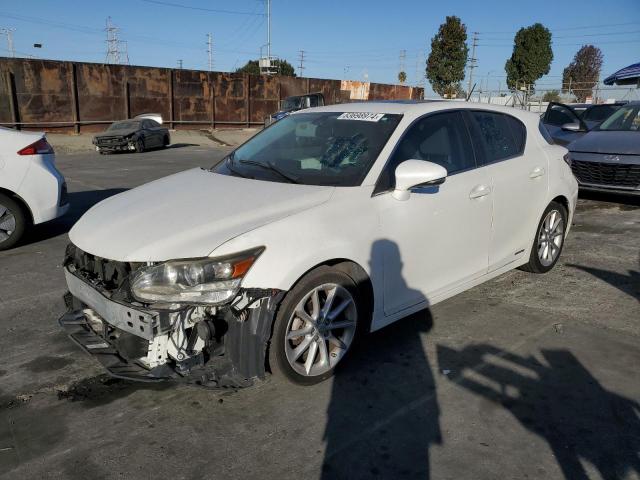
[608,157]
[138,134]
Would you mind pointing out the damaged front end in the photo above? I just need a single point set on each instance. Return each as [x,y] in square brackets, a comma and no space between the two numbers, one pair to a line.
[221,345]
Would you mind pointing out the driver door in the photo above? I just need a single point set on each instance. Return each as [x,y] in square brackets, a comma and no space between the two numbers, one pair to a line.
[557,115]
[438,239]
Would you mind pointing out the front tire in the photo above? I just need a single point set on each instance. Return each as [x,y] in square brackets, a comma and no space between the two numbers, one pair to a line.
[13,222]
[549,239]
[315,327]
[140,145]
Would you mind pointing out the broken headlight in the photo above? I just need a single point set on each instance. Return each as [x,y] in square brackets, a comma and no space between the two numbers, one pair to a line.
[205,280]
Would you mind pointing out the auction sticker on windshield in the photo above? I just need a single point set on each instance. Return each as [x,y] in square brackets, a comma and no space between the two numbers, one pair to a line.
[363,116]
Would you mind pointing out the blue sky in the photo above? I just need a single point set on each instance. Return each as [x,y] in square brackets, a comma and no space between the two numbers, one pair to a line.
[361,38]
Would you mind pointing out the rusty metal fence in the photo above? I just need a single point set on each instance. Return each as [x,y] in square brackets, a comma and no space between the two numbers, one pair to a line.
[75,97]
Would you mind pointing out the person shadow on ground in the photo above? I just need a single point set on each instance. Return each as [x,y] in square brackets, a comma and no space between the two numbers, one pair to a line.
[383,415]
[559,400]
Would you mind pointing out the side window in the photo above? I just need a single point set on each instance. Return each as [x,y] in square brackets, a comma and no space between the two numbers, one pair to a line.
[441,138]
[495,136]
[558,115]
[313,101]
[519,132]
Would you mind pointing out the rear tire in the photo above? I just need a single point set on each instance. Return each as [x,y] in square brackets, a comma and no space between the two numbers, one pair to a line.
[13,222]
[165,141]
[549,239]
[326,334]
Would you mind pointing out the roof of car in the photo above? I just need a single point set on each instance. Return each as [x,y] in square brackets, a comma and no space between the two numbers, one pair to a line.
[417,107]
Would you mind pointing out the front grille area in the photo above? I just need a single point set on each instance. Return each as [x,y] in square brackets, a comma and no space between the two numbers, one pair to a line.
[109,275]
[613,174]
[110,141]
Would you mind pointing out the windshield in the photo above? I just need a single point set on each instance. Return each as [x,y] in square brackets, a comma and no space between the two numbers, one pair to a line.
[626,119]
[124,126]
[599,113]
[292,103]
[322,148]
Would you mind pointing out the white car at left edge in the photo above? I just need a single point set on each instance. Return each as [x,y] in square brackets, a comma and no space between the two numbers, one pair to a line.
[32,190]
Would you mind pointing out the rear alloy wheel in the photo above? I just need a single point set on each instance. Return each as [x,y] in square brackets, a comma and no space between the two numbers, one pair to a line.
[315,327]
[140,145]
[165,141]
[12,222]
[549,240]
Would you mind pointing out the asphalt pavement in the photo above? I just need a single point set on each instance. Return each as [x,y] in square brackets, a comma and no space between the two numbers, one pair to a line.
[526,376]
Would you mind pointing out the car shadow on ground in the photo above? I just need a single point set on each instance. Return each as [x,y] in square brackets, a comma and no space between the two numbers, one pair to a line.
[626,201]
[629,284]
[182,145]
[79,203]
[555,397]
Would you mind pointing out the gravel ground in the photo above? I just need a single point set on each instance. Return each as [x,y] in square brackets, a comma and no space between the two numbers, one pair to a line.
[526,376]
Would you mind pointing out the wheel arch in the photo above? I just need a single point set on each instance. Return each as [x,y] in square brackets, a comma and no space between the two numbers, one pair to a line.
[564,201]
[20,201]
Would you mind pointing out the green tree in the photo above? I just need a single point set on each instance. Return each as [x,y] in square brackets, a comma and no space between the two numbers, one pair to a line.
[402,77]
[448,57]
[582,74]
[282,66]
[531,57]
[551,96]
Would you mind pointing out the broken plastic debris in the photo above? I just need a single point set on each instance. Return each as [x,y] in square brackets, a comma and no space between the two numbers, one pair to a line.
[446,372]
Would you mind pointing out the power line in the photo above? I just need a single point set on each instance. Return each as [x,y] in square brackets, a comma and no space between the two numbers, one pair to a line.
[575,28]
[201,9]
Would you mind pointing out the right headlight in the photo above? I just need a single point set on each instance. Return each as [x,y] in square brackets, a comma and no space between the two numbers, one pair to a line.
[209,281]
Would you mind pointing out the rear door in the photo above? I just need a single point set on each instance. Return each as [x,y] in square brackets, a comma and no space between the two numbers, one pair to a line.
[557,115]
[519,176]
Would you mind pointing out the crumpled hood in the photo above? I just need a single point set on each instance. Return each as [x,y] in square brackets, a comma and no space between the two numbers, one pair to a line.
[622,143]
[187,215]
[117,133]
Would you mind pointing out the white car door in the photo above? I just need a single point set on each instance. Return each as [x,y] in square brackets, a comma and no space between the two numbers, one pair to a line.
[519,175]
[439,238]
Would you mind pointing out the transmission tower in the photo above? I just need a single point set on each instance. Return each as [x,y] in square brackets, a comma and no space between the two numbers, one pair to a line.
[301,58]
[113,44]
[180,64]
[210,50]
[9,33]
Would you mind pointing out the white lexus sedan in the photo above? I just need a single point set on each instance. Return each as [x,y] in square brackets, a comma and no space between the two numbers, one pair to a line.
[331,223]
[32,190]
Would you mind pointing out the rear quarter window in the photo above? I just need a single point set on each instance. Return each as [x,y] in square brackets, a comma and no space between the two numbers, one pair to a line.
[500,136]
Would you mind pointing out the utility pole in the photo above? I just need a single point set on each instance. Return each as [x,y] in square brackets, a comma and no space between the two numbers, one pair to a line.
[113,52]
[210,50]
[301,58]
[472,61]
[180,64]
[9,33]
[269,30]
[125,53]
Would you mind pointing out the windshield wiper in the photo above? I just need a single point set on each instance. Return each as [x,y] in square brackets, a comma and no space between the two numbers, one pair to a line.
[229,165]
[270,166]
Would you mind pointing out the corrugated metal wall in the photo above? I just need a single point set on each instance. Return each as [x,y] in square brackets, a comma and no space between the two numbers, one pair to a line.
[71,96]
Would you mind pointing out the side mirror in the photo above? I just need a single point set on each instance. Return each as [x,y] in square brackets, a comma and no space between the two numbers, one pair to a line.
[573,127]
[414,173]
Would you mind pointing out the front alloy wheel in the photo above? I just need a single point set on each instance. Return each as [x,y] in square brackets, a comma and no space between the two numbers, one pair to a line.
[320,330]
[315,327]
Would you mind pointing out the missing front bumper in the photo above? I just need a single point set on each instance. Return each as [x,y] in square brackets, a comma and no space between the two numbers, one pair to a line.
[142,344]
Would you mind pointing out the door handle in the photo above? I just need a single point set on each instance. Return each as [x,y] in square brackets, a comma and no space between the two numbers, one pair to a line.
[536,172]
[480,191]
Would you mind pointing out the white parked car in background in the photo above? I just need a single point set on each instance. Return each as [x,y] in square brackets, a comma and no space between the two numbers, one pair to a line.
[330,223]
[32,190]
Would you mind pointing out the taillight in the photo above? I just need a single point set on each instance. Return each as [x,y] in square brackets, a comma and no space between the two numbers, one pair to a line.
[38,148]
